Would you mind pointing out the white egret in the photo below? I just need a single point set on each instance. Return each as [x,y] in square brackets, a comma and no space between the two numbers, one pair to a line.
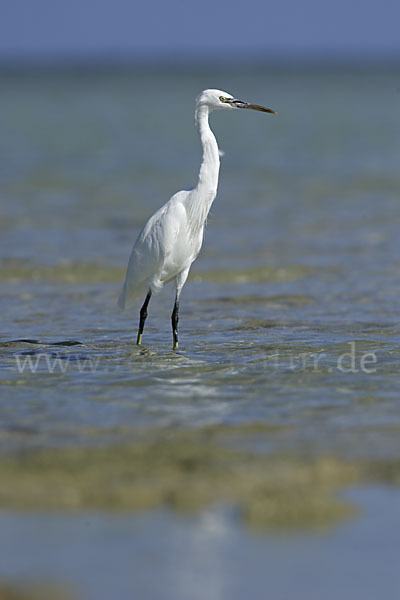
[171,239]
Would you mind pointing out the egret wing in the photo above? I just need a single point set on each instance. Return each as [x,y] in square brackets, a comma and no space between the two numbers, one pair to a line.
[152,247]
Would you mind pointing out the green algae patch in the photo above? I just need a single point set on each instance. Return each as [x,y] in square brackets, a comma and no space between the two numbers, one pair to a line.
[65,272]
[190,471]
[184,472]
[70,272]
[33,591]
[260,274]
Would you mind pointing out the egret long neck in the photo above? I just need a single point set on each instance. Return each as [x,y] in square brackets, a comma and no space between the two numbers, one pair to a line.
[209,170]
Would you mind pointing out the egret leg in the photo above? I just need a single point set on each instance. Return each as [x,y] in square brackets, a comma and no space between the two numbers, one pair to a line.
[180,282]
[174,322]
[143,315]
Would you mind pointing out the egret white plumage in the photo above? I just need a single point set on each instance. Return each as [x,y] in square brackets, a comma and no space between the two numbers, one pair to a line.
[171,239]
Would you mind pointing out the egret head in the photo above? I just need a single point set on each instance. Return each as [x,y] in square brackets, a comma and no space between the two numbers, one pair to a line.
[215,99]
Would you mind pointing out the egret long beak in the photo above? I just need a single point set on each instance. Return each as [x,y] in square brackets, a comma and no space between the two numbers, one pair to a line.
[241,104]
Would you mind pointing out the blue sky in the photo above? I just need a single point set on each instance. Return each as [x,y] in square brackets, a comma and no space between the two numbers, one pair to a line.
[227,29]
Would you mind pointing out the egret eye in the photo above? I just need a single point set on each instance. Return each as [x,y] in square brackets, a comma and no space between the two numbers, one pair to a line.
[223,99]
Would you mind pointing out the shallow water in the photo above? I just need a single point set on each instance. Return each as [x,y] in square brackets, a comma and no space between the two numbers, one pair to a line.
[289,321]
[198,557]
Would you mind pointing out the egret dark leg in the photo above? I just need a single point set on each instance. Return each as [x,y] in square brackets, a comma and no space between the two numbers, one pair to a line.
[143,315]
[174,322]
[180,282]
